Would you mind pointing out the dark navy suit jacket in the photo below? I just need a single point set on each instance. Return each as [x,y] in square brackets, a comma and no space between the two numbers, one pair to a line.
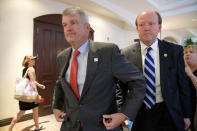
[173,81]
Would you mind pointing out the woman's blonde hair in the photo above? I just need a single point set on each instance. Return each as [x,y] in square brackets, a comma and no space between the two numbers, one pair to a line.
[192,47]
[26,60]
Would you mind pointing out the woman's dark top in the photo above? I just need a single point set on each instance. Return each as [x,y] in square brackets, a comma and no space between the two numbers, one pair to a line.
[27,105]
[193,99]
[193,93]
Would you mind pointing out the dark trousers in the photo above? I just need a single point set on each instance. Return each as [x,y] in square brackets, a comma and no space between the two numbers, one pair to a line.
[155,119]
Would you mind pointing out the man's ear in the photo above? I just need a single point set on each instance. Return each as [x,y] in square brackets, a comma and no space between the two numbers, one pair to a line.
[88,26]
[137,28]
[160,26]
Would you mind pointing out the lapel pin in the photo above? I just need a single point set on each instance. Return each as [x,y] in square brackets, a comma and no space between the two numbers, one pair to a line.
[95,59]
[165,55]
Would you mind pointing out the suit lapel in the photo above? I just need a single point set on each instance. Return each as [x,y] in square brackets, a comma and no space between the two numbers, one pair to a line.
[93,60]
[66,60]
[65,84]
[164,62]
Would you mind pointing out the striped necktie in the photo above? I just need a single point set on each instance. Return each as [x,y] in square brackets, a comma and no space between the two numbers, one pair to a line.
[149,73]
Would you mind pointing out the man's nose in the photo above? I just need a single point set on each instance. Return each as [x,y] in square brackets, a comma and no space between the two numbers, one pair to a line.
[147,26]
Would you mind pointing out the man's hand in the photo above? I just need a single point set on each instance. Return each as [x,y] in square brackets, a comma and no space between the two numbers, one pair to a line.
[59,116]
[187,123]
[113,120]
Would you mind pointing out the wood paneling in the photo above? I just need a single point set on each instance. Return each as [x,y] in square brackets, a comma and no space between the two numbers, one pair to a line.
[49,40]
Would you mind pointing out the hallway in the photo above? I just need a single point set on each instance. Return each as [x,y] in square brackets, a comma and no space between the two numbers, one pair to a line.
[48,122]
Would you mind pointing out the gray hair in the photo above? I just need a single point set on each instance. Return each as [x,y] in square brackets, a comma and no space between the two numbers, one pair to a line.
[76,10]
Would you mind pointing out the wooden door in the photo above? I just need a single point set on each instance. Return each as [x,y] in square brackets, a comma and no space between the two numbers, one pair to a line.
[49,40]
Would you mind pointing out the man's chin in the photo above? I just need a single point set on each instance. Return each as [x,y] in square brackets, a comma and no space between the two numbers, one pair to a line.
[70,40]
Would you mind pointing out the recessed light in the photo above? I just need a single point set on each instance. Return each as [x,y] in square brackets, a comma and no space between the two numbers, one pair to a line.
[194,20]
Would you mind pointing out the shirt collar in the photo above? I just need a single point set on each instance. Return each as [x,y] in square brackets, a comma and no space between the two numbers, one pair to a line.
[83,47]
[154,46]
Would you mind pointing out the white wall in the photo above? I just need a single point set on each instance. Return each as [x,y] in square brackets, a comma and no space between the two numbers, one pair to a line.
[165,33]
[106,31]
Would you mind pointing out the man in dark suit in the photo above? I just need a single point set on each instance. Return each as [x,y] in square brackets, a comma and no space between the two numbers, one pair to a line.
[166,105]
[85,99]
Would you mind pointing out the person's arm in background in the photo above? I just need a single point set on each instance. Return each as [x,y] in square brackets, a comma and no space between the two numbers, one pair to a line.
[32,77]
[190,74]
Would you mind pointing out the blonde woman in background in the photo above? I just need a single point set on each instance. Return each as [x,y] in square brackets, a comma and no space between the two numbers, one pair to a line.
[28,63]
[190,57]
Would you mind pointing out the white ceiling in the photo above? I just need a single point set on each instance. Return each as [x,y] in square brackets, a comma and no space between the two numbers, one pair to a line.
[179,16]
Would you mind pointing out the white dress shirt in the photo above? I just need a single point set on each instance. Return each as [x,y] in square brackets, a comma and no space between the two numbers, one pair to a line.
[82,66]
